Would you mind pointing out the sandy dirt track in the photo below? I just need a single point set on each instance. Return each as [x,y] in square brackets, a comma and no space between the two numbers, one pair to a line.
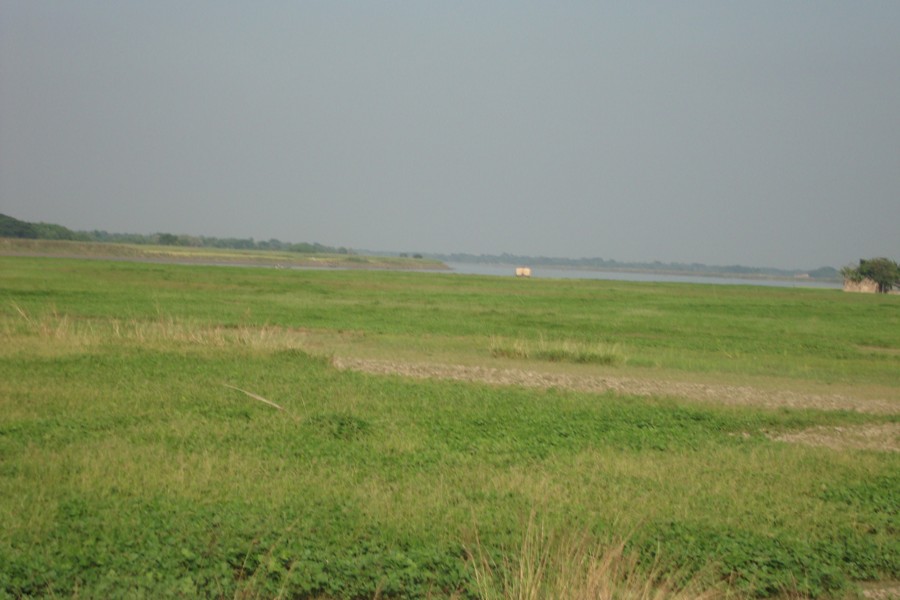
[720,394]
[882,437]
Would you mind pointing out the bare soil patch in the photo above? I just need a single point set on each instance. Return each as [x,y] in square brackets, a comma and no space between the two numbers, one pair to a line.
[889,591]
[880,350]
[883,438]
[716,393]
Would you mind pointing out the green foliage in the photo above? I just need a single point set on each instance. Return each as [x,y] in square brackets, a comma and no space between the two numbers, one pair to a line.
[316,248]
[127,468]
[800,335]
[10,227]
[167,239]
[341,426]
[154,547]
[764,565]
[883,271]
[564,351]
[851,274]
[824,273]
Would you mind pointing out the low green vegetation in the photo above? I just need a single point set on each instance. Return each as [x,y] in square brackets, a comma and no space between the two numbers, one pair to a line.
[14,228]
[565,351]
[141,454]
[11,227]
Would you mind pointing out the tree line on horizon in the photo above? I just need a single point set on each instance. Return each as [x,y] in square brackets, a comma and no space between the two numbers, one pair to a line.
[15,228]
[12,227]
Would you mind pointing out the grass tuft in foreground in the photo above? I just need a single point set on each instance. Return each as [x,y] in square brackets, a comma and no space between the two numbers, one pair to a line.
[546,566]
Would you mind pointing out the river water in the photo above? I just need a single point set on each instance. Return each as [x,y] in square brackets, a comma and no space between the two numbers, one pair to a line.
[559,273]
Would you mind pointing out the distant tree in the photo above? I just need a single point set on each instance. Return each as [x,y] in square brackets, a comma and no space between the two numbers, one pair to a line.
[272,244]
[190,240]
[883,271]
[851,273]
[168,239]
[303,247]
[12,227]
[824,273]
[51,231]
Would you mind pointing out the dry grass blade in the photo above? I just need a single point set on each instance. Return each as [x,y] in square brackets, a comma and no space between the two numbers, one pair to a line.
[255,396]
[22,313]
[547,566]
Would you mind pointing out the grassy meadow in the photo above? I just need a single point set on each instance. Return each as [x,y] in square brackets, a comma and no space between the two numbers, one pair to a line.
[141,454]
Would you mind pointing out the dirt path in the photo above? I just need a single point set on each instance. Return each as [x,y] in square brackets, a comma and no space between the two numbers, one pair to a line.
[885,437]
[888,591]
[881,437]
[721,394]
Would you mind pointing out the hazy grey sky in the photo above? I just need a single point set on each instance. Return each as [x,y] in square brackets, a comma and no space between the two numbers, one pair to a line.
[764,133]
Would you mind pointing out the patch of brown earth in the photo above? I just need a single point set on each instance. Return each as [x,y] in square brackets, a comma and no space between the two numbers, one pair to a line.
[884,438]
[717,393]
[880,350]
[883,592]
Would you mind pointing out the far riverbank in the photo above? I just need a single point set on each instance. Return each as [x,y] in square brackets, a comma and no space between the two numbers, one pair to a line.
[649,276]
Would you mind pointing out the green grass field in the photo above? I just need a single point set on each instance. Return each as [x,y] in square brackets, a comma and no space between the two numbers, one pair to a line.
[131,466]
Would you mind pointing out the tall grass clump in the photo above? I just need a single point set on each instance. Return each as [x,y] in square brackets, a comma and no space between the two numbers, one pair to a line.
[160,330]
[596,353]
[548,566]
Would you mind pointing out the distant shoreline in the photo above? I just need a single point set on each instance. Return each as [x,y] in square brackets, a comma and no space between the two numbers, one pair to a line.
[208,256]
[660,275]
[823,273]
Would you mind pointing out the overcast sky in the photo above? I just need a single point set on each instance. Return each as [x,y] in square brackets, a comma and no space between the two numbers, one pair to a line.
[762,133]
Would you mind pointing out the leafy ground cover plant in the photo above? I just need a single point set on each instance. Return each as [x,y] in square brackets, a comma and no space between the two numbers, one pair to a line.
[128,466]
[559,351]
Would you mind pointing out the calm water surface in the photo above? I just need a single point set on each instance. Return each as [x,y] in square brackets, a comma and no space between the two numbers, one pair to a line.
[557,273]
